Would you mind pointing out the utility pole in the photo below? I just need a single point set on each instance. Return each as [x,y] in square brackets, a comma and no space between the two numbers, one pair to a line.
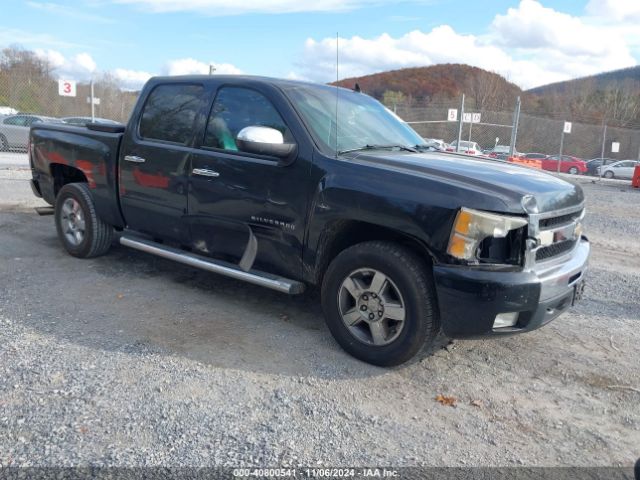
[561,147]
[604,143]
[93,104]
[460,124]
[514,128]
[212,69]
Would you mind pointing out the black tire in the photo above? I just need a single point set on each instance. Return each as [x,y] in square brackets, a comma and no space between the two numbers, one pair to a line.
[4,144]
[573,171]
[608,174]
[410,275]
[97,236]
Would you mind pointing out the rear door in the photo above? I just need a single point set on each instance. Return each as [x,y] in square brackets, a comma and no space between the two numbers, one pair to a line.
[626,169]
[155,156]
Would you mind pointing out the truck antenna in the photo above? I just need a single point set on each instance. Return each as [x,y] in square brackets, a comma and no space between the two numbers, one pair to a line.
[337,89]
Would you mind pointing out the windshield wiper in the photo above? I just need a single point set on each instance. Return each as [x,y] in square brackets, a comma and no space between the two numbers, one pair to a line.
[378,147]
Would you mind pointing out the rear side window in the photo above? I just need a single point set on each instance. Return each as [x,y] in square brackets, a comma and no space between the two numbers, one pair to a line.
[236,108]
[21,121]
[170,112]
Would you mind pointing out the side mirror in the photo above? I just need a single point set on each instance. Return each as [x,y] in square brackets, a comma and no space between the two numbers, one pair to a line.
[265,141]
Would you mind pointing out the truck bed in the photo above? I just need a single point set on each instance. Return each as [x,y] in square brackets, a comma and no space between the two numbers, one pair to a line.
[89,152]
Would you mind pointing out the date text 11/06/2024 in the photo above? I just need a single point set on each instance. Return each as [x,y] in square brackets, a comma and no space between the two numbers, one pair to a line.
[315,472]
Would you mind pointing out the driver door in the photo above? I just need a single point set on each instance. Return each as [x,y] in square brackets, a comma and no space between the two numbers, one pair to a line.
[246,208]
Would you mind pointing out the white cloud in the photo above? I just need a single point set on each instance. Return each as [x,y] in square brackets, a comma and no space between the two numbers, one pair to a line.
[530,45]
[233,7]
[296,76]
[191,66]
[84,60]
[533,26]
[131,79]
[82,67]
[78,67]
[359,56]
[617,10]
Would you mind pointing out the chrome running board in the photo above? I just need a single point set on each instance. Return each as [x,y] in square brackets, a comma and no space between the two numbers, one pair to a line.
[263,279]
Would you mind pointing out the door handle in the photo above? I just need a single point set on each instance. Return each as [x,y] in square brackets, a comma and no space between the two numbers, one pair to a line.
[204,172]
[134,159]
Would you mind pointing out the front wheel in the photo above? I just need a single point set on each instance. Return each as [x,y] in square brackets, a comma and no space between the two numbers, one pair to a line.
[82,233]
[379,303]
[573,171]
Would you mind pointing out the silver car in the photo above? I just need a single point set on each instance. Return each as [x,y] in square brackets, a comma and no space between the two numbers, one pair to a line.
[622,169]
[14,130]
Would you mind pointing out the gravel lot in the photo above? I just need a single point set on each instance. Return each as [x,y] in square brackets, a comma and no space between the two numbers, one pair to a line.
[130,360]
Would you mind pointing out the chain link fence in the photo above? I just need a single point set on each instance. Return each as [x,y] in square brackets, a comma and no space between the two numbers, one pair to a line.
[40,97]
[529,133]
[431,122]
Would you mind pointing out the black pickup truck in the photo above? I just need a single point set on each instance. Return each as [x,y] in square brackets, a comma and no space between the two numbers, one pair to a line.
[263,180]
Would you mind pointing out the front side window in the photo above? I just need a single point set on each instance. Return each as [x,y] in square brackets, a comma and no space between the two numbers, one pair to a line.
[170,112]
[236,108]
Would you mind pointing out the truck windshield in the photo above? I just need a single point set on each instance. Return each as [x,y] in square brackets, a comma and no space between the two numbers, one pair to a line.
[362,121]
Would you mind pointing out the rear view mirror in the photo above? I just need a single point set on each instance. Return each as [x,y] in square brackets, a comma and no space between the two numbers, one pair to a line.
[265,141]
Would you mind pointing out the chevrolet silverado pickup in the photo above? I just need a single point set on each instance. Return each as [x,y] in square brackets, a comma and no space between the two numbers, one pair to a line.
[288,184]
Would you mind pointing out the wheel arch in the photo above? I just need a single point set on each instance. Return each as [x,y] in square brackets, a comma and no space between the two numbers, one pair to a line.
[339,235]
[64,174]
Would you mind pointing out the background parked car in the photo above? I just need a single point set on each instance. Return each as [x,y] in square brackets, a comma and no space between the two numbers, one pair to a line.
[82,121]
[436,143]
[535,156]
[14,130]
[4,110]
[470,148]
[621,169]
[569,164]
[594,163]
[501,152]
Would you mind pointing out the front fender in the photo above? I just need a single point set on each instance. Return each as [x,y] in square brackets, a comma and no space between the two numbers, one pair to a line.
[337,207]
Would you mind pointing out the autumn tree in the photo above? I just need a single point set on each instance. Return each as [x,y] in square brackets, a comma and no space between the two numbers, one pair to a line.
[393,98]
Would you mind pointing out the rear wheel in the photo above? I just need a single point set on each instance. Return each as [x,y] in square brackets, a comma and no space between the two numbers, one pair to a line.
[379,303]
[573,171]
[4,144]
[82,233]
[608,174]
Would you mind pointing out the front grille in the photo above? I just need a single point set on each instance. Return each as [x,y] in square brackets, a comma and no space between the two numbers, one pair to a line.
[547,223]
[556,249]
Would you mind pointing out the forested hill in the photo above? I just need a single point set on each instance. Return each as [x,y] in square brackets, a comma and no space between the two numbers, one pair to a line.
[438,82]
[611,97]
[600,81]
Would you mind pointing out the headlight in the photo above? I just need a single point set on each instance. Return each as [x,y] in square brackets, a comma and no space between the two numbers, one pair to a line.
[472,227]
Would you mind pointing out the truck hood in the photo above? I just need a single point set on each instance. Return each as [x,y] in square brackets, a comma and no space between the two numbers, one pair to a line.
[505,181]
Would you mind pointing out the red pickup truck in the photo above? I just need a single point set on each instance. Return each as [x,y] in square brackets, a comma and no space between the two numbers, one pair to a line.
[568,164]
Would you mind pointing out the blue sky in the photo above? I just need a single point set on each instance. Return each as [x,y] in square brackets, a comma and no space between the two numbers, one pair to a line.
[531,42]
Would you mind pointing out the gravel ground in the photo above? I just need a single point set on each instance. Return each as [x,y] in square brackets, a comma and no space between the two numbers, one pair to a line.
[13,160]
[130,360]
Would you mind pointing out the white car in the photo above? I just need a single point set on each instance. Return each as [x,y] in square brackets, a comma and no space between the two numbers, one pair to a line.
[14,130]
[437,143]
[622,169]
[470,148]
[4,110]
